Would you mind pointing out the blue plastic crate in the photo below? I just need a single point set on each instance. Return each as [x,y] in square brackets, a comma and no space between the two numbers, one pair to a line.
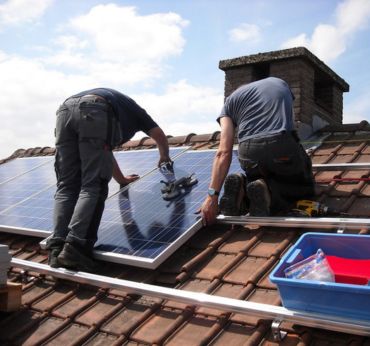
[337,299]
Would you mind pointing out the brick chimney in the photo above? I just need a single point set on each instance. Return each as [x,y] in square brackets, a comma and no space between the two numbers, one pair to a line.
[318,90]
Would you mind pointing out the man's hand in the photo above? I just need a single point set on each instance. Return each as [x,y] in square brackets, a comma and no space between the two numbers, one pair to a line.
[164,161]
[128,179]
[209,210]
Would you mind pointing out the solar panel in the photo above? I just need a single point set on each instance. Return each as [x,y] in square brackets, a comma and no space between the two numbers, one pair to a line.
[28,184]
[32,216]
[14,168]
[140,228]
[139,162]
[26,202]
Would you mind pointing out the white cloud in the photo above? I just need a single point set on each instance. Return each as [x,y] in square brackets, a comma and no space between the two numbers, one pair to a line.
[120,34]
[14,12]
[184,108]
[109,46]
[330,41]
[352,15]
[245,32]
[115,43]
[29,97]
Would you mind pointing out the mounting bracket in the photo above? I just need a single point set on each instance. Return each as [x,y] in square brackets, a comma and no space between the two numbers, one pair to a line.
[278,334]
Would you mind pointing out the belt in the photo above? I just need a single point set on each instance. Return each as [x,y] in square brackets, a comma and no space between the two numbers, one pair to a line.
[270,138]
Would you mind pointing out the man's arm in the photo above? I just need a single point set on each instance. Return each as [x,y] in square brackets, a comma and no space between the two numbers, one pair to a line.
[160,138]
[119,177]
[220,168]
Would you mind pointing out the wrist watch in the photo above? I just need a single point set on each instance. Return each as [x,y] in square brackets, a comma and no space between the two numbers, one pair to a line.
[212,192]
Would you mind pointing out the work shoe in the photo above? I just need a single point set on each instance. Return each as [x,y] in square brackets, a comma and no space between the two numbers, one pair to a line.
[53,257]
[259,198]
[233,200]
[72,258]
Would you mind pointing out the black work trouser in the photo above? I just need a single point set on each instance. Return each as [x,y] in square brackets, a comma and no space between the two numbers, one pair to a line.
[284,165]
[83,166]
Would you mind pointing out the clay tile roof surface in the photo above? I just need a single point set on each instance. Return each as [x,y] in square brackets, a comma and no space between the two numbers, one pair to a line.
[222,260]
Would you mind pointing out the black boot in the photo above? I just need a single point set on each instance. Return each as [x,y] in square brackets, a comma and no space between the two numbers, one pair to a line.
[233,200]
[53,257]
[259,197]
[73,258]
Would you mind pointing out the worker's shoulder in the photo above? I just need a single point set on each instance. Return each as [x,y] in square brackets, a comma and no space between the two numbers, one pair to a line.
[261,83]
[268,81]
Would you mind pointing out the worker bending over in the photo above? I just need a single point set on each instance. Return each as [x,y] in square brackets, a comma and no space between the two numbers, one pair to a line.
[277,168]
[88,126]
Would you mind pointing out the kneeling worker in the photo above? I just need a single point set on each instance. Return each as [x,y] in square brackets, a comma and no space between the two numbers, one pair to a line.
[88,126]
[277,169]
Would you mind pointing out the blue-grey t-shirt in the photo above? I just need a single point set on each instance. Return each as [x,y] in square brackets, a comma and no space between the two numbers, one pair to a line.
[132,118]
[260,108]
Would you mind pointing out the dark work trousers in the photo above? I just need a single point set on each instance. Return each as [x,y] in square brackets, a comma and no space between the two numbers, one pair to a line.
[83,166]
[284,165]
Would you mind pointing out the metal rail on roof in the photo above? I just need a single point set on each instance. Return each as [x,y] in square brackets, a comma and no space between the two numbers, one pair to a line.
[340,166]
[301,222]
[276,313]
[25,231]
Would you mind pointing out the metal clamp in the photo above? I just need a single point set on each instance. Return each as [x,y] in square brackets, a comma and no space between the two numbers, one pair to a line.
[277,334]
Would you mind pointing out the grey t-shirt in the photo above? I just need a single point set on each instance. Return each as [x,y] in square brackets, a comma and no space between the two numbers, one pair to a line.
[260,108]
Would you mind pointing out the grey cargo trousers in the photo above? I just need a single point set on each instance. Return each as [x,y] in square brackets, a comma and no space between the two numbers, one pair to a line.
[83,166]
[283,163]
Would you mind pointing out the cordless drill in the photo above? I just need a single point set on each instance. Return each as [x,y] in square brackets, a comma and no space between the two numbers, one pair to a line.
[314,208]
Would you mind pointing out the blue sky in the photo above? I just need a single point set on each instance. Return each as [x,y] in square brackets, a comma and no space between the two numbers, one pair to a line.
[164,54]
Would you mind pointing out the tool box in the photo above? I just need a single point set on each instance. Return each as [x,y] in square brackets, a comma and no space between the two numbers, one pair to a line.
[348,256]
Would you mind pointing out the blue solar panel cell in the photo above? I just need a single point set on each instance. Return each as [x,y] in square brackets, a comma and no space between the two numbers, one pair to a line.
[139,223]
[25,186]
[139,162]
[35,212]
[14,168]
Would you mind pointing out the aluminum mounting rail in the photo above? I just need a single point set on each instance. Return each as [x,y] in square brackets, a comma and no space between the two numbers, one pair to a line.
[25,231]
[276,313]
[301,222]
[341,166]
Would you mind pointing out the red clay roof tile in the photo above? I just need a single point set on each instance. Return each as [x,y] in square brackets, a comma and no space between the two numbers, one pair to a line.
[249,270]
[241,240]
[81,300]
[271,243]
[129,317]
[159,326]
[214,267]
[198,330]
[74,331]
[225,290]
[42,331]
[101,310]
[235,333]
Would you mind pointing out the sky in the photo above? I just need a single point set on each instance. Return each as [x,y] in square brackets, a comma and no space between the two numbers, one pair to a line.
[164,54]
